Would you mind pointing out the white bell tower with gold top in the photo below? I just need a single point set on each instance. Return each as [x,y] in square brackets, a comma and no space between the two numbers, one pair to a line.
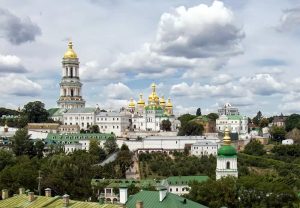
[70,85]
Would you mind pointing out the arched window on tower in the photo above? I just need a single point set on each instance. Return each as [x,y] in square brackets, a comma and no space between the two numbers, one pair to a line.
[71,71]
[228,165]
[72,92]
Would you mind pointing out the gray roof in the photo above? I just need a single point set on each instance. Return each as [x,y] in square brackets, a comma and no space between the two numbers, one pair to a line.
[205,143]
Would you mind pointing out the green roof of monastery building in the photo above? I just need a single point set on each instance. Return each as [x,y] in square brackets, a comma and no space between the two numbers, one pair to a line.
[185,180]
[150,199]
[56,138]
[50,202]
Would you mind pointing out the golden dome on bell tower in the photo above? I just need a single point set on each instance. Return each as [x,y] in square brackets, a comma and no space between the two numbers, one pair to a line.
[70,53]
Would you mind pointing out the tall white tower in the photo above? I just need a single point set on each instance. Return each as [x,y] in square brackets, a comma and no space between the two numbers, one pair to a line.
[70,85]
[226,159]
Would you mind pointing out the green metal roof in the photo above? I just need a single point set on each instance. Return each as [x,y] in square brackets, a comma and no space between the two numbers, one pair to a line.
[50,202]
[185,180]
[153,108]
[74,138]
[227,150]
[150,199]
[55,112]
[235,117]
[117,183]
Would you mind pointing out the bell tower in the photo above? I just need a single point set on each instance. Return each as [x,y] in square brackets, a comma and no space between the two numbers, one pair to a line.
[70,85]
[227,158]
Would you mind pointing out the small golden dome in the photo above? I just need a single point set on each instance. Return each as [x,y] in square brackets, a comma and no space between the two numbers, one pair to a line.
[162,101]
[169,104]
[141,102]
[70,54]
[131,103]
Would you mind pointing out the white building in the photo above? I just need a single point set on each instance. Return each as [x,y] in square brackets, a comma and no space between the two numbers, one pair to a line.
[204,148]
[287,142]
[228,110]
[69,148]
[236,123]
[226,159]
[84,117]
[113,122]
[180,184]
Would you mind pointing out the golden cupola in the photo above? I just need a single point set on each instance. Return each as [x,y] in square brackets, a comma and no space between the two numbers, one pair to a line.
[131,104]
[70,53]
[169,103]
[153,97]
[141,102]
[162,102]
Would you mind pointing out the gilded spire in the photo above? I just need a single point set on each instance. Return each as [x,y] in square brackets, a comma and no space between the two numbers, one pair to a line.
[227,139]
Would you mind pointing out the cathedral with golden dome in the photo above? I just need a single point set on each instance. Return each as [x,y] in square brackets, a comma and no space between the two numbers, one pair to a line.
[148,116]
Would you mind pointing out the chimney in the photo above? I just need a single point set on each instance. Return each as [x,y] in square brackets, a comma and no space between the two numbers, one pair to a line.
[48,192]
[66,200]
[123,194]
[139,204]
[4,194]
[162,194]
[30,196]
[21,191]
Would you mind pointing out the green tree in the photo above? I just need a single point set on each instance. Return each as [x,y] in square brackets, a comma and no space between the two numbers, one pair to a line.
[97,151]
[257,118]
[94,129]
[35,112]
[198,112]
[185,118]
[166,125]
[278,133]
[110,145]
[39,146]
[213,116]
[6,159]
[21,144]
[293,121]
[254,147]
[215,194]
[124,160]
[294,135]
[264,122]
[191,129]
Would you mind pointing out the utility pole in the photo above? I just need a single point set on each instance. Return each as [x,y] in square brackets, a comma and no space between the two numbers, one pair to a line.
[39,184]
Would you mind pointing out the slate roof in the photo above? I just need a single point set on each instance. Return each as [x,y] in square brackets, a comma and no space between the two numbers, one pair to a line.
[150,199]
[50,202]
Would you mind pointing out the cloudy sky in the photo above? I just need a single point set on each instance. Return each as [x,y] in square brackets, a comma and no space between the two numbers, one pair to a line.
[200,53]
